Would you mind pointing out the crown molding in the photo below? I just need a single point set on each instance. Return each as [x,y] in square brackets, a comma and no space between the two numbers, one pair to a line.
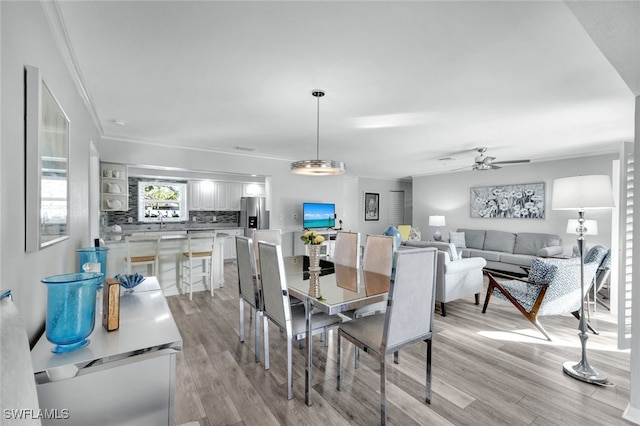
[58,29]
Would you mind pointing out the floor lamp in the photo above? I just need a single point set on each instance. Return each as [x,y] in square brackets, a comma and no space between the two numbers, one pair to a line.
[582,193]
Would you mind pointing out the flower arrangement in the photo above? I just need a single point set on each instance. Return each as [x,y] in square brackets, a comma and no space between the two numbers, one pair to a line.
[312,237]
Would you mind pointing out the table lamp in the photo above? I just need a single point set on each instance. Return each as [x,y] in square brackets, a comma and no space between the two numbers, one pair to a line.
[582,193]
[437,221]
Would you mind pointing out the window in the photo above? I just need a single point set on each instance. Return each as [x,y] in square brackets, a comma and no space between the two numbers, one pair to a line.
[162,201]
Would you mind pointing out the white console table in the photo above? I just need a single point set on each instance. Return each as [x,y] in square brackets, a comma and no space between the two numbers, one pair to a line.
[123,377]
[326,248]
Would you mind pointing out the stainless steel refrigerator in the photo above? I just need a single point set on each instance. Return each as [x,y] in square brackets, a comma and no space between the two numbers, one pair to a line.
[253,214]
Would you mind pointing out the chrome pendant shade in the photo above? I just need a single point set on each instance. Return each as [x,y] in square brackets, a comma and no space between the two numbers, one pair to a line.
[318,167]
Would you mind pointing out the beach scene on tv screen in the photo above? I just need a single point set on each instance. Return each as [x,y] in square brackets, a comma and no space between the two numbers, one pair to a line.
[319,216]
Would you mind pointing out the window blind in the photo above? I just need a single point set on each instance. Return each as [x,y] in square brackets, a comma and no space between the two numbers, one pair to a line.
[625,258]
[396,208]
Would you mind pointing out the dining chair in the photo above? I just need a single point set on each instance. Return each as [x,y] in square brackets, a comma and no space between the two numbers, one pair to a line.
[408,318]
[268,235]
[248,287]
[277,308]
[347,249]
[199,254]
[143,250]
[378,258]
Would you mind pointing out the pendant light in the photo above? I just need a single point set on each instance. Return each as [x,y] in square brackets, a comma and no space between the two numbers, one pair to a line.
[318,167]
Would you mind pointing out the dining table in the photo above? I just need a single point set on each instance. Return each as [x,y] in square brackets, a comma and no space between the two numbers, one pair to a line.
[342,289]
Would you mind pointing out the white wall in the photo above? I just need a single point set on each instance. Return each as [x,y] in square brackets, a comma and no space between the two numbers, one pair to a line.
[26,40]
[449,195]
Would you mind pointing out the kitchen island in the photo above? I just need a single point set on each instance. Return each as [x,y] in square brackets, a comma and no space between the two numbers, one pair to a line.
[172,244]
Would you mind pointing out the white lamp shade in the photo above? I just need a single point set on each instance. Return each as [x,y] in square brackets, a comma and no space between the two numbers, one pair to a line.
[582,192]
[591,225]
[436,221]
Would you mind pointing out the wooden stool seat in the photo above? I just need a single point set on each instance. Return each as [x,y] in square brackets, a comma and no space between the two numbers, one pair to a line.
[198,254]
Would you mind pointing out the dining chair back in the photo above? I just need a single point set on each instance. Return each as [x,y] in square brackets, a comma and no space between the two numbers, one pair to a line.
[347,248]
[142,250]
[268,235]
[248,288]
[407,320]
[277,307]
[199,254]
[378,254]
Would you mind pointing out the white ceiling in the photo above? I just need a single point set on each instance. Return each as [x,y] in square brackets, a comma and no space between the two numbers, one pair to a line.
[407,83]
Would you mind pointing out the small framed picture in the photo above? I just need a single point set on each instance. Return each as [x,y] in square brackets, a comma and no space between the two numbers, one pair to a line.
[371,206]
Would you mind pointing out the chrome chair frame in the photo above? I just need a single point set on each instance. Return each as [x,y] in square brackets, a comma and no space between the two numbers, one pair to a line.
[408,318]
[249,288]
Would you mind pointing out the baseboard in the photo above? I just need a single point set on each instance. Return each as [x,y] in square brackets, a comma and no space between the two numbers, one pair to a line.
[632,414]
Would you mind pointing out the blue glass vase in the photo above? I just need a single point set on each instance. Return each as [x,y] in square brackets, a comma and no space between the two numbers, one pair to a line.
[392,231]
[71,309]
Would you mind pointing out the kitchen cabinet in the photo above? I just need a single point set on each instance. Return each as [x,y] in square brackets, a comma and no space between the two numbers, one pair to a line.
[201,195]
[227,196]
[253,190]
[114,187]
[229,248]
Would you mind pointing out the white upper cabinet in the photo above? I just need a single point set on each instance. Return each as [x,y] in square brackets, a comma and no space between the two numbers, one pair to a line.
[227,196]
[201,195]
[253,190]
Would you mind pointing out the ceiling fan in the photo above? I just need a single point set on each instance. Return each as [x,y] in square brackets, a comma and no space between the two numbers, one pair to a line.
[485,162]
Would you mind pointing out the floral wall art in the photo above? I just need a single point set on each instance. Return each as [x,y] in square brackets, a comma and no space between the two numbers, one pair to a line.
[523,201]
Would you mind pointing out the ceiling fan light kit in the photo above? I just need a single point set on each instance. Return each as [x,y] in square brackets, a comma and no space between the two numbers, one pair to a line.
[318,167]
[484,162]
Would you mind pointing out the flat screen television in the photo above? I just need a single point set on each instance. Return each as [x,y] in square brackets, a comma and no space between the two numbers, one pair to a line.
[318,215]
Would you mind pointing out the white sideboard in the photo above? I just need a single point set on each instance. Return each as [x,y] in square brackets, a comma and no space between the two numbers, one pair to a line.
[123,377]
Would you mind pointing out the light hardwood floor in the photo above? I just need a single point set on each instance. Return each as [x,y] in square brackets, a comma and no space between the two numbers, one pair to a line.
[488,369]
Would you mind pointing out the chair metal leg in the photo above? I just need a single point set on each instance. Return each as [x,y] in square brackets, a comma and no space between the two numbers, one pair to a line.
[241,309]
[541,329]
[383,394]
[339,381]
[396,357]
[356,355]
[257,334]
[443,311]
[477,296]
[265,340]
[289,368]
[326,338]
[428,383]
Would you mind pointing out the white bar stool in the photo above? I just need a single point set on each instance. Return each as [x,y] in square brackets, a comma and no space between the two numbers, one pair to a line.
[199,253]
[143,250]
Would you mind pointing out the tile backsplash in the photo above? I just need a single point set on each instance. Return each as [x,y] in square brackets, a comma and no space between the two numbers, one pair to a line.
[201,217]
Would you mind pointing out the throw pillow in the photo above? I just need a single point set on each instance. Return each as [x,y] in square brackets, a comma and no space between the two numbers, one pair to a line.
[457,238]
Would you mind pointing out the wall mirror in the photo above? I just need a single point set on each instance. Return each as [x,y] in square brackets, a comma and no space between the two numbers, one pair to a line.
[46,165]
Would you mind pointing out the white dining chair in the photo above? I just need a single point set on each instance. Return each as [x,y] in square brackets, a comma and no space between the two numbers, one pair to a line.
[347,249]
[249,290]
[407,320]
[199,254]
[278,309]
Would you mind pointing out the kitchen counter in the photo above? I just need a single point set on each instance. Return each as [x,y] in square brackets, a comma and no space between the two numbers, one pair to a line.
[172,244]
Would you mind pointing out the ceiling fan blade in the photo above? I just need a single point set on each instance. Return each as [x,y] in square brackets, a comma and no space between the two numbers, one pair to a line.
[512,162]
[494,167]
[488,160]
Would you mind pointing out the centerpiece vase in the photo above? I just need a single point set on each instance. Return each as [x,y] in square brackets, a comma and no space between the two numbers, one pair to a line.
[314,270]
[71,309]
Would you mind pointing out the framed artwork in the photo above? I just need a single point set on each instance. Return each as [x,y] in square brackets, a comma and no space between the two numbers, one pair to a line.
[523,201]
[371,206]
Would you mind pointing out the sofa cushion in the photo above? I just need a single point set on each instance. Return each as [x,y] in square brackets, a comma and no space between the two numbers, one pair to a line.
[530,243]
[474,238]
[457,239]
[499,241]
[516,259]
[488,255]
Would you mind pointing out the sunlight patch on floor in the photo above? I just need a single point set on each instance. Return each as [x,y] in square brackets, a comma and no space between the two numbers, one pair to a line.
[533,336]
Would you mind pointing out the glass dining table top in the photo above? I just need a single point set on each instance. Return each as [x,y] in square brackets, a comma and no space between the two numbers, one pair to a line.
[342,288]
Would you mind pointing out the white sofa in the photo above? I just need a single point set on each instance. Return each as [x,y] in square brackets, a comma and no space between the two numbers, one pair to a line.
[455,277]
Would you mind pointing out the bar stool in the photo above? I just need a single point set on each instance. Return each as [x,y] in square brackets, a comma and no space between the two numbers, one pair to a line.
[199,253]
[142,250]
